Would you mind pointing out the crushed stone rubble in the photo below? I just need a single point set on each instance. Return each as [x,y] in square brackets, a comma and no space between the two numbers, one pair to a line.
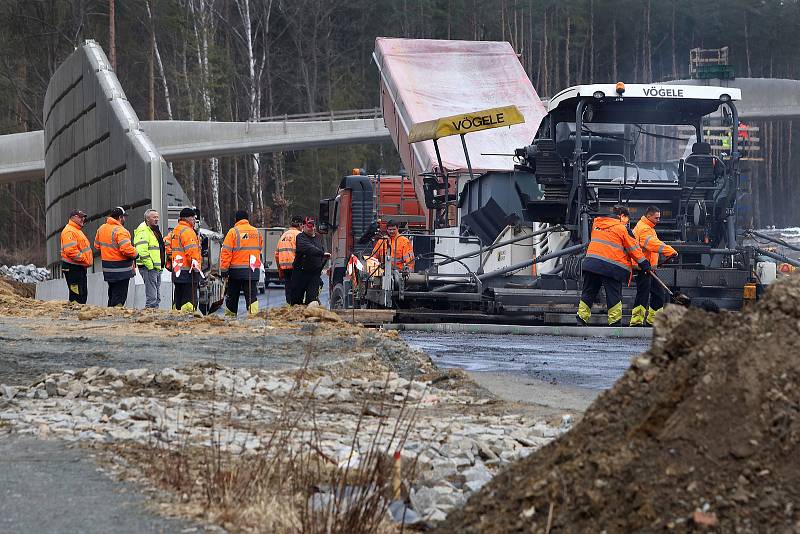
[456,453]
[28,274]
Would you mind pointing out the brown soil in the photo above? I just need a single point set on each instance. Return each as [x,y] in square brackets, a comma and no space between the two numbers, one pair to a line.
[702,432]
[9,286]
[301,313]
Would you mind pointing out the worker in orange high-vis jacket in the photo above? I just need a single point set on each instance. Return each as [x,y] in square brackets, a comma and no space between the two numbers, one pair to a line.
[117,254]
[611,252]
[186,262]
[649,295]
[285,253]
[398,248]
[76,257]
[240,262]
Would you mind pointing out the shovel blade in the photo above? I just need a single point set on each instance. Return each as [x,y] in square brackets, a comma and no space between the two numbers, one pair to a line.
[681,300]
[216,305]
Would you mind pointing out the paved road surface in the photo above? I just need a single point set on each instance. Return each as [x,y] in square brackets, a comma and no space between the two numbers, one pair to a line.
[46,487]
[590,363]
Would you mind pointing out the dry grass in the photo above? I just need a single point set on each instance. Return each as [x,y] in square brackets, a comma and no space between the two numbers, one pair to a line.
[290,485]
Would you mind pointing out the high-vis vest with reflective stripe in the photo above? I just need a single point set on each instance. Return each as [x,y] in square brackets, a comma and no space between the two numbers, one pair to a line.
[401,253]
[650,243]
[286,249]
[146,244]
[116,251]
[241,242]
[184,243]
[75,247]
[611,250]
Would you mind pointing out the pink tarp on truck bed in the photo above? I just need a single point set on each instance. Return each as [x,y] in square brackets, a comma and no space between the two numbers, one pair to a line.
[423,79]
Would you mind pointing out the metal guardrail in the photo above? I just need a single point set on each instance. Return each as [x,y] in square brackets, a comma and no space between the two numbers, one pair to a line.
[369,113]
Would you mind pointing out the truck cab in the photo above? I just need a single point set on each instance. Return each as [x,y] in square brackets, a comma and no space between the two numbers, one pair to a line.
[357,214]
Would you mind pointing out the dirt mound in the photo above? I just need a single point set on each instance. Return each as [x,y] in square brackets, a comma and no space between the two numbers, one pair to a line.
[702,431]
[292,314]
[11,287]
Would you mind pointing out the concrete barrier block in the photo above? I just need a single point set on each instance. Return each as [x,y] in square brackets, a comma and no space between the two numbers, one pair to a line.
[117,193]
[107,84]
[103,149]
[68,175]
[80,168]
[78,129]
[88,87]
[75,102]
[124,114]
[90,127]
[69,136]
[90,164]
[97,59]
[117,147]
[101,118]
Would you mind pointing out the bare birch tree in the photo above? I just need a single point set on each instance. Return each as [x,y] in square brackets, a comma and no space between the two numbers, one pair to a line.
[159,62]
[201,12]
[255,69]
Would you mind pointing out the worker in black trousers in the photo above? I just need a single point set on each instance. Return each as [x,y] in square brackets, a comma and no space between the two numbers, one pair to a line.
[310,258]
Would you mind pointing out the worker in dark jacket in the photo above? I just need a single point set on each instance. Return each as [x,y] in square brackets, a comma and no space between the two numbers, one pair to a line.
[611,253]
[310,258]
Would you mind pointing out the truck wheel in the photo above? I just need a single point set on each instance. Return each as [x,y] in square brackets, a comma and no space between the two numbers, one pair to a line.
[337,297]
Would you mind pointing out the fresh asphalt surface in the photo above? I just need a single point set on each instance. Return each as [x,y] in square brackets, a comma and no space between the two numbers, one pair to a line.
[591,363]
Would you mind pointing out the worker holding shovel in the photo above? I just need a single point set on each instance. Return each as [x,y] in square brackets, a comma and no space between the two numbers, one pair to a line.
[649,296]
[240,262]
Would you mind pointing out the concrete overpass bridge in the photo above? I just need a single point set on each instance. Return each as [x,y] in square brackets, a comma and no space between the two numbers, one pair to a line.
[22,155]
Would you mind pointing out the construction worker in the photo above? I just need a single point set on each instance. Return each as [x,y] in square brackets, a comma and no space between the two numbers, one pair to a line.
[398,247]
[309,260]
[186,262]
[76,256]
[149,245]
[118,255]
[646,290]
[285,253]
[726,142]
[612,251]
[240,263]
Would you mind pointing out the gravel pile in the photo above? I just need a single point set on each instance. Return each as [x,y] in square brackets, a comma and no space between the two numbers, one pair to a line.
[28,274]
[455,453]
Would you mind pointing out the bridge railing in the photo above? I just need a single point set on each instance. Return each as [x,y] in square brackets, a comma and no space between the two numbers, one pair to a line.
[347,114]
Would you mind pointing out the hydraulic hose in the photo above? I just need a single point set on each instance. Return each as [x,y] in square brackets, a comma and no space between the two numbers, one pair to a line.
[518,266]
[497,245]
